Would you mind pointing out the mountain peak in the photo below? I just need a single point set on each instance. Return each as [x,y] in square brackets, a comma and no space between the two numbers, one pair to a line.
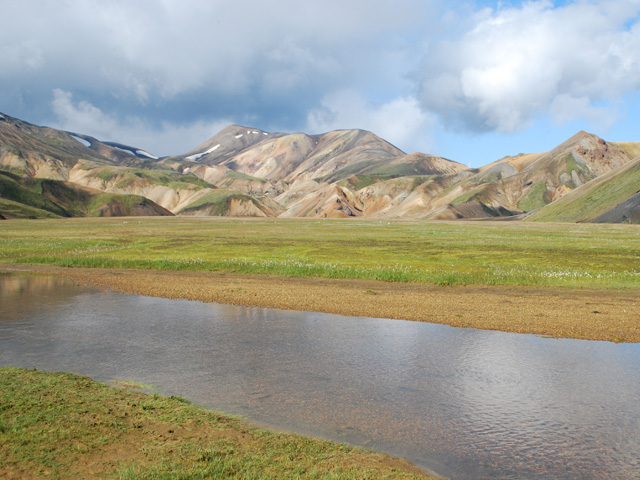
[241,129]
[581,135]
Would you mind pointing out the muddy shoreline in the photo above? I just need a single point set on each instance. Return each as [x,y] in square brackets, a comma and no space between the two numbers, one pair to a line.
[558,312]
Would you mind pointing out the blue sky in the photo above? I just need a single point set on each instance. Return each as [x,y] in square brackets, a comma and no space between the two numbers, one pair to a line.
[472,81]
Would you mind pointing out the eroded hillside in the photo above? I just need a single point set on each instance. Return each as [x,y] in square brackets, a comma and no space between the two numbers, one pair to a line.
[345,173]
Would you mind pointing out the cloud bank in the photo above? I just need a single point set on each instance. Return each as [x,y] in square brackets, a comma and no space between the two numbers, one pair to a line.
[159,74]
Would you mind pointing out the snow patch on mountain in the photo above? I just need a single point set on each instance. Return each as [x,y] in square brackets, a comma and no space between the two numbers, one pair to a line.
[142,153]
[86,143]
[199,155]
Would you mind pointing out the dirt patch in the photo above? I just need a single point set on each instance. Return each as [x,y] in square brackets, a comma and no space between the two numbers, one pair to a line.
[567,313]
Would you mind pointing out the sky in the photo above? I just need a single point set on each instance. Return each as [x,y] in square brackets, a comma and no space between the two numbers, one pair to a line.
[471,81]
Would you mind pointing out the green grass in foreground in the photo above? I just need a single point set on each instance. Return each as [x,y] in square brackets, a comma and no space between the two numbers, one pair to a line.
[61,425]
[456,253]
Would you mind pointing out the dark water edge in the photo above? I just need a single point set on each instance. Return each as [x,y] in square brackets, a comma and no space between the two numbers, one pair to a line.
[467,404]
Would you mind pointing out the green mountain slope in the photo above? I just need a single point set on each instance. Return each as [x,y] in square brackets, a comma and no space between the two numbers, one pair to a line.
[594,200]
[25,197]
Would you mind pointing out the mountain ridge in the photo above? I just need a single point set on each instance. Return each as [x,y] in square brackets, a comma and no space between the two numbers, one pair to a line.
[244,171]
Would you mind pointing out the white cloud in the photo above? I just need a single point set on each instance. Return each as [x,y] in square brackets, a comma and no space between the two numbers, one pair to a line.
[566,108]
[278,64]
[400,121]
[166,139]
[82,117]
[512,64]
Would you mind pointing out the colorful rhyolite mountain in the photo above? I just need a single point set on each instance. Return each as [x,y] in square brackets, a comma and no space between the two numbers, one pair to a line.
[347,173]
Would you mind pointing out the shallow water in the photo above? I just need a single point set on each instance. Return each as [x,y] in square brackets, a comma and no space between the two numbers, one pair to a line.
[467,404]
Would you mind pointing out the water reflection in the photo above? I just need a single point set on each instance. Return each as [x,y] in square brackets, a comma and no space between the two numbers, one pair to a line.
[21,294]
[467,404]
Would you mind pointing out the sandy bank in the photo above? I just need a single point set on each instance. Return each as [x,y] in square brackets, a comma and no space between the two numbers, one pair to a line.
[566,313]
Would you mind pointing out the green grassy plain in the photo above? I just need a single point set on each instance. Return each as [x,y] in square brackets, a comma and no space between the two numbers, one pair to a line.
[60,425]
[455,253]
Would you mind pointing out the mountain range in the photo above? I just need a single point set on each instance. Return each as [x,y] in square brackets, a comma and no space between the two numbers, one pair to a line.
[45,172]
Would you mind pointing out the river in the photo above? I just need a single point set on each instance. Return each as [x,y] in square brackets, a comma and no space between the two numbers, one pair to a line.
[466,404]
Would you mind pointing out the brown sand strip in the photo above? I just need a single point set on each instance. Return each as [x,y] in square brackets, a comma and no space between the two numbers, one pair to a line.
[557,312]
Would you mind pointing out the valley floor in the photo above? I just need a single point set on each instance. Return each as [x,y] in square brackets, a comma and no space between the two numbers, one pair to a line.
[610,315]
